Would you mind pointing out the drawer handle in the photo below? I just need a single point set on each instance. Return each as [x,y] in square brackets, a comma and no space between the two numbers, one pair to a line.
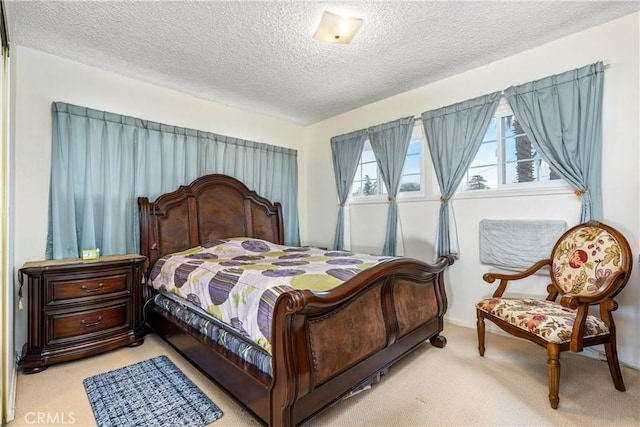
[87,290]
[89,324]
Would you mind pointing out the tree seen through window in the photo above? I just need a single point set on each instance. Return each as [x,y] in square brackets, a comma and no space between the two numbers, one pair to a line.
[506,157]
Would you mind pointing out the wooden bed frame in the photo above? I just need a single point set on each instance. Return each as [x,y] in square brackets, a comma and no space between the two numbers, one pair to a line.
[324,345]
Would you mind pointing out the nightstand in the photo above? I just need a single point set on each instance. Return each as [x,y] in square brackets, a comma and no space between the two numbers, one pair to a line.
[79,308]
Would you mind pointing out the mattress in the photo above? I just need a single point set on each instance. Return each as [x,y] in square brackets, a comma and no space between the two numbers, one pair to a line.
[238,280]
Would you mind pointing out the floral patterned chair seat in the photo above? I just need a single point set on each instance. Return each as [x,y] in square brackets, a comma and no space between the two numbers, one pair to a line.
[589,266]
[546,319]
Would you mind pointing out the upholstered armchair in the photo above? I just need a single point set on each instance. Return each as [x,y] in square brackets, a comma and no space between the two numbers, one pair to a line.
[589,266]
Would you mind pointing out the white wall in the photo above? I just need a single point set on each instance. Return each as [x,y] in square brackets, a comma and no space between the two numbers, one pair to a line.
[40,79]
[617,43]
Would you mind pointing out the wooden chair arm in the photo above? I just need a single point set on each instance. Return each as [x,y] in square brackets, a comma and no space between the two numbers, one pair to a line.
[573,301]
[581,304]
[577,334]
[505,277]
[606,308]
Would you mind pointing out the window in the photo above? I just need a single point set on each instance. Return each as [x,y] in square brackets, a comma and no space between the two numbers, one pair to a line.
[368,181]
[507,158]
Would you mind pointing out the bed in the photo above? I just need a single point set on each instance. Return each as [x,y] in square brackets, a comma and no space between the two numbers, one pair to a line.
[322,345]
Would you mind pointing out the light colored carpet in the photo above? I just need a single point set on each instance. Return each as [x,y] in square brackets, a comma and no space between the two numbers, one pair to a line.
[453,386]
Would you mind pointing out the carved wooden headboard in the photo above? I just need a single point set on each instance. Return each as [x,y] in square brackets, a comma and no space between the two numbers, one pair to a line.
[211,207]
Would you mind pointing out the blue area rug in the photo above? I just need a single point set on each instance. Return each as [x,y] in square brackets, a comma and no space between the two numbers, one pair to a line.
[149,393]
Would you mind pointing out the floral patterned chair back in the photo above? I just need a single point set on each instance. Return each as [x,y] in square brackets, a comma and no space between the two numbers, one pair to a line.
[589,259]
[589,265]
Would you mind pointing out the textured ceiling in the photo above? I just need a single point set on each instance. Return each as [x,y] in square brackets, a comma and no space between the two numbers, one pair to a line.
[259,55]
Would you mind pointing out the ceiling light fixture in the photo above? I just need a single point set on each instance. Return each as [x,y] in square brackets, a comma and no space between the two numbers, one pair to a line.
[335,28]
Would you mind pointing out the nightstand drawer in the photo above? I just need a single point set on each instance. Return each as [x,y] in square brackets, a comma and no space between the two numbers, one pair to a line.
[66,289]
[82,324]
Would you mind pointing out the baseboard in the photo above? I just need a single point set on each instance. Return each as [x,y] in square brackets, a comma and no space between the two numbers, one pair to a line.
[10,396]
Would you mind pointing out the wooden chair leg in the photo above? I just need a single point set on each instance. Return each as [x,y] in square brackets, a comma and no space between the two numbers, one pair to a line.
[480,327]
[614,365]
[553,372]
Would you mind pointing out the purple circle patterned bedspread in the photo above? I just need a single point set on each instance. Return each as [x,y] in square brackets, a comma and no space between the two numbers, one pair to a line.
[238,280]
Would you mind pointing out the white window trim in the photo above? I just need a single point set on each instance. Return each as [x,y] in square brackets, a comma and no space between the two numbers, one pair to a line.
[402,195]
[512,192]
[429,184]
[559,186]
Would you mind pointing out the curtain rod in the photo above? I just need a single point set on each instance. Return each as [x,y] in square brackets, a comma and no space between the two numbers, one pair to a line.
[605,64]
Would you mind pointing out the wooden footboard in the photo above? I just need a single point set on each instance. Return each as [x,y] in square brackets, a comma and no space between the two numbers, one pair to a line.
[326,345]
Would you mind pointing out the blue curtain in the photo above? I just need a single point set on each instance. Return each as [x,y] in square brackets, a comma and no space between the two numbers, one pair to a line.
[346,150]
[562,115]
[390,142]
[102,162]
[454,135]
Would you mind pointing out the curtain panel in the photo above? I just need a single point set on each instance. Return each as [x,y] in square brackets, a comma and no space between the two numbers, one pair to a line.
[346,150]
[390,142]
[454,135]
[102,162]
[562,115]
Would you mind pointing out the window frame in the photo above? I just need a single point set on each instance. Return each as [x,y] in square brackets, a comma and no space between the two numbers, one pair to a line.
[381,197]
[557,186]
